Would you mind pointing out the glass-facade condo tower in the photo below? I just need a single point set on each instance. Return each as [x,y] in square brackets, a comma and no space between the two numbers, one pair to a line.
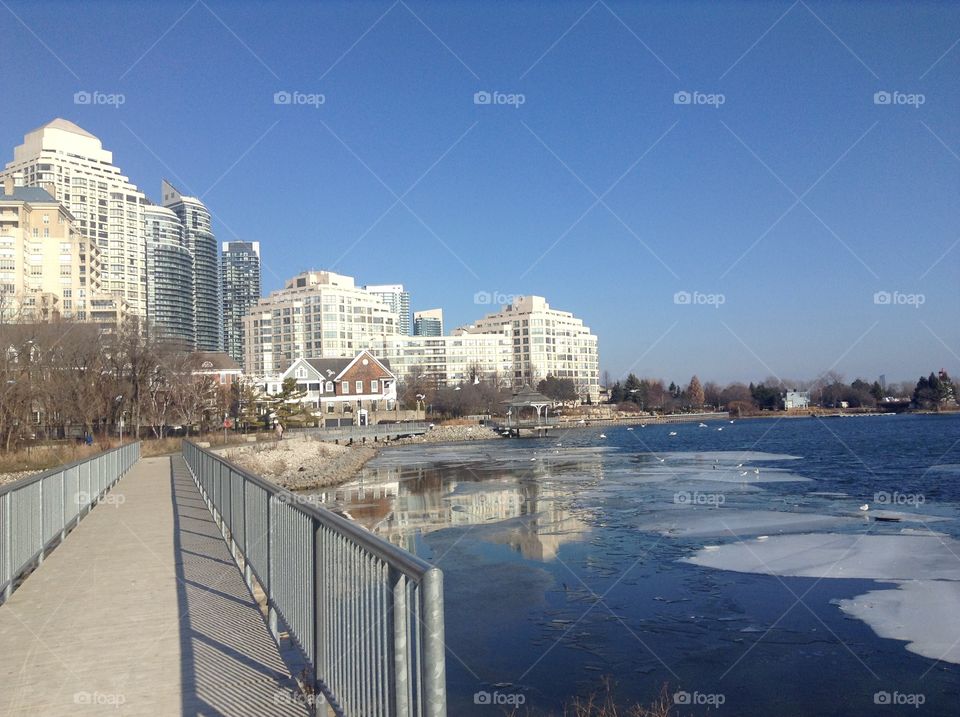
[240,273]
[397,299]
[170,279]
[199,240]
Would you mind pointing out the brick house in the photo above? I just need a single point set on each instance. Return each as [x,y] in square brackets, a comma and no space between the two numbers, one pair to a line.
[343,391]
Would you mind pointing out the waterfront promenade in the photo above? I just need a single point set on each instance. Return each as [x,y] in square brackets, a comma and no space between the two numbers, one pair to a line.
[141,611]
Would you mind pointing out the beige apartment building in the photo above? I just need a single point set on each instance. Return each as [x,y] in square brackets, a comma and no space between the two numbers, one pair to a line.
[318,314]
[48,270]
[106,207]
[545,342]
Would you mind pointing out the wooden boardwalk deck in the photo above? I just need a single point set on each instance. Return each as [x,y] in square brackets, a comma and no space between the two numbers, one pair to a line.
[141,611]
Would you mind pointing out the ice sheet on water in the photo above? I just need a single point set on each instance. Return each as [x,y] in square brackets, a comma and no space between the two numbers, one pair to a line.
[921,612]
[832,555]
[685,522]
[726,457]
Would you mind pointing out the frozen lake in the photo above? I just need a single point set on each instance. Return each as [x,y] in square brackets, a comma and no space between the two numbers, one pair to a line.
[735,566]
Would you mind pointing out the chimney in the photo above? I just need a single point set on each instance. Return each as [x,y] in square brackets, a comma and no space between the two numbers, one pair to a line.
[50,188]
[8,185]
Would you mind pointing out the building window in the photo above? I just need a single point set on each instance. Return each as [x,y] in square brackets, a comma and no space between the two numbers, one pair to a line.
[344,387]
[373,386]
[329,386]
[301,372]
[359,385]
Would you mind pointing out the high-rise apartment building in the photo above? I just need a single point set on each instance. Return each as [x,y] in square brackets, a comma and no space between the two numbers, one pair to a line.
[47,268]
[240,274]
[397,299]
[202,245]
[170,278]
[318,314]
[546,342]
[428,323]
[106,207]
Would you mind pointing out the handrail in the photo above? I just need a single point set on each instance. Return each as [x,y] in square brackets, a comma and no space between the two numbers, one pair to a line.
[36,512]
[366,615]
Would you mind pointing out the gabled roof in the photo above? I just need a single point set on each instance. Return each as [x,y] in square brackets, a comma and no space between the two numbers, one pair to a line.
[213,361]
[330,369]
[526,396]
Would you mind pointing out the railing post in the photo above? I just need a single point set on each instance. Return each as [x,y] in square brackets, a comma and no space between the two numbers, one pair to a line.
[40,493]
[401,668]
[434,647]
[7,545]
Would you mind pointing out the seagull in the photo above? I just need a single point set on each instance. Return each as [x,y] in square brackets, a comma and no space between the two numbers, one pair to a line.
[720,429]
[743,473]
[731,421]
[456,388]
[534,458]
[739,465]
[756,471]
[865,507]
[661,459]
[603,435]
[702,425]
[673,433]
[630,429]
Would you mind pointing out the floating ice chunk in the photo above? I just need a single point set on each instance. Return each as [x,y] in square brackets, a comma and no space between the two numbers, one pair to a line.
[831,555]
[730,523]
[923,613]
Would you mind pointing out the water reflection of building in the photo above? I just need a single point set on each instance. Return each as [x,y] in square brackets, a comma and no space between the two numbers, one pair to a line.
[400,503]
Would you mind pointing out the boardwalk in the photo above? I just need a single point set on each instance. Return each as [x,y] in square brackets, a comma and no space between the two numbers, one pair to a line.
[141,611]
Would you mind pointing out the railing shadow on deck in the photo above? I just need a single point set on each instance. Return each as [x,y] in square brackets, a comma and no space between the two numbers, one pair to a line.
[229,663]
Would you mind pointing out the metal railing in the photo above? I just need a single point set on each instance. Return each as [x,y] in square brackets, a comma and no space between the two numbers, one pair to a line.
[36,512]
[367,616]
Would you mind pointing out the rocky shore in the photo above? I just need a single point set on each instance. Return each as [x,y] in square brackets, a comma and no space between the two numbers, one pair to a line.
[305,463]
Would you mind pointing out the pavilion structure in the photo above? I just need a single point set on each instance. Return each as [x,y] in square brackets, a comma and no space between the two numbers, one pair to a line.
[527,409]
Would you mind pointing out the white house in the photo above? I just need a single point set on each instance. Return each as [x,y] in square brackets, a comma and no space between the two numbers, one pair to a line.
[342,391]
[796,399]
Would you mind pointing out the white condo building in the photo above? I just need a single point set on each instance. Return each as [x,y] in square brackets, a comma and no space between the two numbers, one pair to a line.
[318,314]
[106,207]
[394,296]
[546,342]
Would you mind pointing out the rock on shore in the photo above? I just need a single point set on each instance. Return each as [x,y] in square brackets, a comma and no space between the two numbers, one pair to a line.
[442,434]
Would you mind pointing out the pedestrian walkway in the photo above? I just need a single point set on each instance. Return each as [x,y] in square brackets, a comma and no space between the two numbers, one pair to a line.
[141,611]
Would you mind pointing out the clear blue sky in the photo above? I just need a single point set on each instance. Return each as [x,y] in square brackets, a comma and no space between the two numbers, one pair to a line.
[499,198]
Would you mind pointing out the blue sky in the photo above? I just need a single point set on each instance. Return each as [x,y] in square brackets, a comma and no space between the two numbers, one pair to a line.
[793,202]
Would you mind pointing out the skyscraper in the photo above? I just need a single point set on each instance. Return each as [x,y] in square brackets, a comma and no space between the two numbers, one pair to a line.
[199,240]
[397,299]
[428,323]
[240,273]
[170,278]
[107,209]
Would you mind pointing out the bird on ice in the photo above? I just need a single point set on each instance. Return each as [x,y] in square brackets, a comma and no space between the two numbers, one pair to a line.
[743,473]
[865,507]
